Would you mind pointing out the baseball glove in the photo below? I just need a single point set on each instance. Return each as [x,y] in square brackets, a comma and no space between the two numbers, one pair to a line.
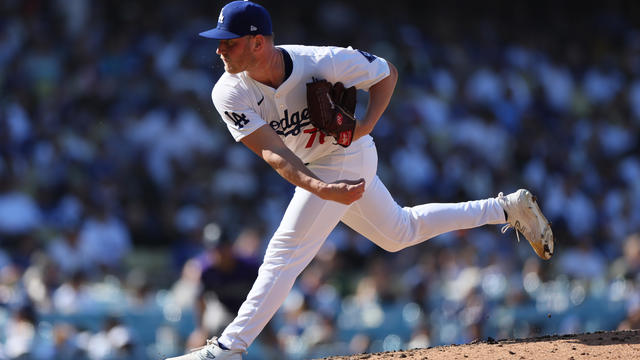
[332,108]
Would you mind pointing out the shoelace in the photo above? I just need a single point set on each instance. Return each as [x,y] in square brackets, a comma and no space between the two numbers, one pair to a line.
[517,228]
[212,341]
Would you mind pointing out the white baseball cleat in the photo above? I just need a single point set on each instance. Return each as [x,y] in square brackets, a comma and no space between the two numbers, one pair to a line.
[209,352]
[524,215]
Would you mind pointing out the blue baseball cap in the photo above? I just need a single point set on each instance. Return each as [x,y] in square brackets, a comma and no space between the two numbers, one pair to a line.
[240,18]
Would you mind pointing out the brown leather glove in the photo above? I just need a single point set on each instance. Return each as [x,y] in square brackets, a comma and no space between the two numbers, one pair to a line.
[332,108]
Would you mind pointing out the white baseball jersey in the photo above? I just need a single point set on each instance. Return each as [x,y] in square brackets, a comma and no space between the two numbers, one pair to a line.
[245,104]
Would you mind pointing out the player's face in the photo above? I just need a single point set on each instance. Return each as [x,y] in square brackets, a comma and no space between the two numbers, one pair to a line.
[235,54]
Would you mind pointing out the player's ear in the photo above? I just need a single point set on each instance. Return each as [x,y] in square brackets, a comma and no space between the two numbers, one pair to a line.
[258,42]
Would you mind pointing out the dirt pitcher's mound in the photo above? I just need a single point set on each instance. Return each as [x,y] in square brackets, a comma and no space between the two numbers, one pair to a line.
[598,345]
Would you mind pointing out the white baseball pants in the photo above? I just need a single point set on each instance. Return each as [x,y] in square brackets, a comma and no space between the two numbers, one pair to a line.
[308,221]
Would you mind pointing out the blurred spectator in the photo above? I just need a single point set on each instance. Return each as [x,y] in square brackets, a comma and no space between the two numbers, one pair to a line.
[64,250]
[72,296]
[114,341]
[104,240]
[631,252]
[19,213]
[582,261]
[20,333]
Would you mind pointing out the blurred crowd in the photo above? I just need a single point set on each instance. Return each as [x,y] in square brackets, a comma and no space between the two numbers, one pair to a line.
[131,224]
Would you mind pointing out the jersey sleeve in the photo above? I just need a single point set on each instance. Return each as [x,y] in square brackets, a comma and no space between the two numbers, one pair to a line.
[358,68]
[234,109]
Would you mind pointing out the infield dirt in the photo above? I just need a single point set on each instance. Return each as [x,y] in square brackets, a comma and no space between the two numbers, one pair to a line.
[597,345]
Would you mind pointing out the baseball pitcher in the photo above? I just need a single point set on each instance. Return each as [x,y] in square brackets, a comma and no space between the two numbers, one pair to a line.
[294,107]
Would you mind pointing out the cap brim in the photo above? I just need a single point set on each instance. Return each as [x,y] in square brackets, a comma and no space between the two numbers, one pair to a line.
[219,34]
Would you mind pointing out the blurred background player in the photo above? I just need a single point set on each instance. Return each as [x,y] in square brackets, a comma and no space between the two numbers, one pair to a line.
[226,278]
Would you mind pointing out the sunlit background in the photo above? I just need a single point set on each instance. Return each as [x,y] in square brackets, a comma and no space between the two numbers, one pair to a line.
[131,224]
